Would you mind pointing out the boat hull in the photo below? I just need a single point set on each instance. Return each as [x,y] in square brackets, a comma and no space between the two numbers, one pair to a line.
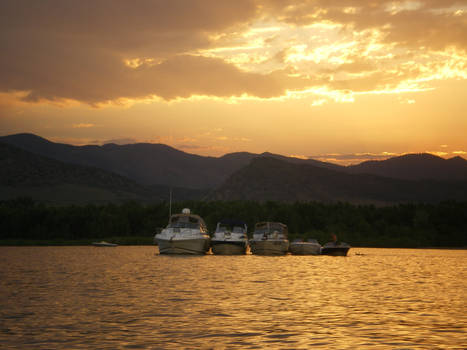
[195,246]
[269,247]
[104,244]
[228,248]
[335,251]
[305,249]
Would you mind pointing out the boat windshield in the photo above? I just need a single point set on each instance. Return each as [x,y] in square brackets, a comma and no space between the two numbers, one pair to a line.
[228,228]
[265,229]
[261,230]
[184,222]
[238,229]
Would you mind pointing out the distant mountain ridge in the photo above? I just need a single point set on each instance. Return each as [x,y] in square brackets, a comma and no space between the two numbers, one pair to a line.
[25,173]
[273,179]
[19,167]
[148,164]
[415,167]
[147,171]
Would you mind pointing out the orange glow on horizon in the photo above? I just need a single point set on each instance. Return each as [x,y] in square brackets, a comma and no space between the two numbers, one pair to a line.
[301,78]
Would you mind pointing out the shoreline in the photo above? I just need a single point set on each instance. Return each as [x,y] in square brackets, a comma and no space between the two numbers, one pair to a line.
[141,241]
[82,242]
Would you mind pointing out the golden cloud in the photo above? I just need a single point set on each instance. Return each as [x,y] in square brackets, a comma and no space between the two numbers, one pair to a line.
[168,50]
[83,125]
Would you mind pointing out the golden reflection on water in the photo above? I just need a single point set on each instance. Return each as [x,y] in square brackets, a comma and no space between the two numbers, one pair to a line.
[127,297]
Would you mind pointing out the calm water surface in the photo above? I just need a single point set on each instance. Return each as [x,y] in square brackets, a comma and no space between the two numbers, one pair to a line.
[131,297]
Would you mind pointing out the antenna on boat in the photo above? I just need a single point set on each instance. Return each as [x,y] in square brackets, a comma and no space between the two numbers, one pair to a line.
[170,203]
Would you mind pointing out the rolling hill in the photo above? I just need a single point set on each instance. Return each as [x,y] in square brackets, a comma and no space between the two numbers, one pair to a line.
[26,174]
[31,165]
[148,164]
[158,164]
[415,167]
[273,179]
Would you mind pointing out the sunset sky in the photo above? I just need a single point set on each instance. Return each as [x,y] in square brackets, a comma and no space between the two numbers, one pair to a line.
[341,81]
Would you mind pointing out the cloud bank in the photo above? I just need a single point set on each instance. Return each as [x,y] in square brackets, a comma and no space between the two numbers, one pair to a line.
[103,51]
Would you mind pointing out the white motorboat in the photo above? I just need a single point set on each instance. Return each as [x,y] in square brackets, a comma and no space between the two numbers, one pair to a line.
[186,233]
[300,247]
[230,238]
[335,248]
[270,238]
[104,244]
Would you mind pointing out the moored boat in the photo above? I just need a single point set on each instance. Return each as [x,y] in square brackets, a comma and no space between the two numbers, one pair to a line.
[104,244]
[335,248]
[230,238]
[186,233]
[300,247]
[270,238]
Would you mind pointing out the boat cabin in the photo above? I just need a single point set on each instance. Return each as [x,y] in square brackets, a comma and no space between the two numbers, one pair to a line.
[234,226]
[187,221]
[271,228]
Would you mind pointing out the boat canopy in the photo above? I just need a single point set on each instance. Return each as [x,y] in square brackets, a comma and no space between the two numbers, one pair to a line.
[186,221]
[269,227]
[232,222]
[236,226]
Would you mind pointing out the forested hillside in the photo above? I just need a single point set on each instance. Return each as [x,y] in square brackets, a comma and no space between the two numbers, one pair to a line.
[23,172]
[273,179]
[403,225]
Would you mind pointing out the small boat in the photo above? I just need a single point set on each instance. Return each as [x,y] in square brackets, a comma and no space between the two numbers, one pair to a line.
[270,238]
[104,244]
[186,233]
[335,248]
[230,238]
[310,247]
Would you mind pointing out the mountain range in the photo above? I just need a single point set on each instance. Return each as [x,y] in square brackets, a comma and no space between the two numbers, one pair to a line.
[146,163]
[415,167]
[273,179]
[24,173]
[32,164]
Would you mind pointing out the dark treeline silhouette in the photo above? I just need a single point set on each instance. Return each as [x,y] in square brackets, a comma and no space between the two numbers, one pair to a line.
[403,225]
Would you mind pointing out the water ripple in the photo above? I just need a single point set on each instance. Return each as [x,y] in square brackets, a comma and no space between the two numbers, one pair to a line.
[132,298]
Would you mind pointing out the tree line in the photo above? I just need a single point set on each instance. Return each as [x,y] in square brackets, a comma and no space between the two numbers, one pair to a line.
[402,225]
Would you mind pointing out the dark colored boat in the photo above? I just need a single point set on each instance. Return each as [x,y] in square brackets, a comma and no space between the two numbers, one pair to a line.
[335,249]
[104,244]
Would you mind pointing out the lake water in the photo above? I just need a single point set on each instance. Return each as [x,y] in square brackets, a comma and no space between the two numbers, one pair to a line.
[131,297]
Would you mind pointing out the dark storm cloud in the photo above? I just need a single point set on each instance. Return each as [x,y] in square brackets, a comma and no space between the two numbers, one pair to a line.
[76,49]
